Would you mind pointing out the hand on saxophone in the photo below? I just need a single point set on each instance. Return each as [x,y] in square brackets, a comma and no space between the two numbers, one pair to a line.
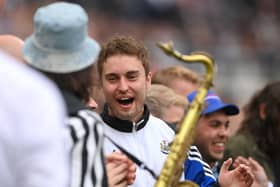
[241,176]
[121,171]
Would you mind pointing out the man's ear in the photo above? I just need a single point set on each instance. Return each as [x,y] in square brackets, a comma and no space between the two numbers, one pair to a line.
[262,113]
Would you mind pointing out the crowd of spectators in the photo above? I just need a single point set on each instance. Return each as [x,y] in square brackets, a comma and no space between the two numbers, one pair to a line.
[242,35]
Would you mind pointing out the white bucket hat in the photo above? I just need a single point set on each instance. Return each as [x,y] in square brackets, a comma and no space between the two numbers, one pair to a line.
[60,41]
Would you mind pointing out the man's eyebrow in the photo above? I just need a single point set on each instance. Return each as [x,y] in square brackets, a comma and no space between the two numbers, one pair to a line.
[133,72]
[110,74]
[219,121]
[215,120]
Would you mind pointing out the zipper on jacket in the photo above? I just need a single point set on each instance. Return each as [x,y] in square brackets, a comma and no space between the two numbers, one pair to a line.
[134,129]
[135,125]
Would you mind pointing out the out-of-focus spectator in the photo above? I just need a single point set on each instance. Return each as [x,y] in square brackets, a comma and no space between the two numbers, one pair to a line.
[61,49]
[259,134]
[182,80]
[32,149]
[165,104]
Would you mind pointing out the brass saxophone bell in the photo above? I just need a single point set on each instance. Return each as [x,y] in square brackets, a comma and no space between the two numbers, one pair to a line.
[187,184]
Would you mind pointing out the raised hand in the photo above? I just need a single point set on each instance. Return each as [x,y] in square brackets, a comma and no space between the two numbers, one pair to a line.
[241,176]
[260,177]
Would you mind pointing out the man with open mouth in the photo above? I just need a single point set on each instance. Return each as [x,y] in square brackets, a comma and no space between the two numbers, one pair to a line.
[212,128]
[123,68]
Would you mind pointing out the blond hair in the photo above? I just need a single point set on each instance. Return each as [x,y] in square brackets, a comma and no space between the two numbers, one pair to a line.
[160,97]
[165,76]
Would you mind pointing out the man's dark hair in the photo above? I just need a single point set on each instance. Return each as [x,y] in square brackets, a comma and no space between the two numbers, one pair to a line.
[80,83]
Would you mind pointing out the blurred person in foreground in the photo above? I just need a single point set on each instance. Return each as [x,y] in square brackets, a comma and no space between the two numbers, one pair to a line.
[32,149]
[61,49]
[259,136]
[165,104]
[123,66]
[179,78]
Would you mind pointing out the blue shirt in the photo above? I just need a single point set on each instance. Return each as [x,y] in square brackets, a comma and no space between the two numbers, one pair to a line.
[198,171]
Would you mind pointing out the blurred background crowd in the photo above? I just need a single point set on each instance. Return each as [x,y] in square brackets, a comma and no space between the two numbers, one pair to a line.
[242,35]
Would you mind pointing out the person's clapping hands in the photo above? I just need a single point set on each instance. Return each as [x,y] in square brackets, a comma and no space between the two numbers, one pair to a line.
[121,171]
[241,176]
[260,177]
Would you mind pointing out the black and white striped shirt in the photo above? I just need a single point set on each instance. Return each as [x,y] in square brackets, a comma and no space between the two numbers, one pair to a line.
[87,137]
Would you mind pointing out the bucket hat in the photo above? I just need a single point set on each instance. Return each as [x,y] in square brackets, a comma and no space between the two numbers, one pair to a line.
[214,103]
[60,41]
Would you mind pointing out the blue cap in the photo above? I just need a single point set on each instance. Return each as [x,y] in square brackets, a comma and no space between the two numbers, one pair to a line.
[213,103]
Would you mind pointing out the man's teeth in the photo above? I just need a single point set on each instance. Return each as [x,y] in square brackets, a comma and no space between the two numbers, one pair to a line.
[125,100]
[220,144]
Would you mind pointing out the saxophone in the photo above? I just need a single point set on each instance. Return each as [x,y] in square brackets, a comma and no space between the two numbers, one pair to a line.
[172,168]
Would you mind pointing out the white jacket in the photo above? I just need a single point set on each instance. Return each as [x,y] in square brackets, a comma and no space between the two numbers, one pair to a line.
[147,144]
